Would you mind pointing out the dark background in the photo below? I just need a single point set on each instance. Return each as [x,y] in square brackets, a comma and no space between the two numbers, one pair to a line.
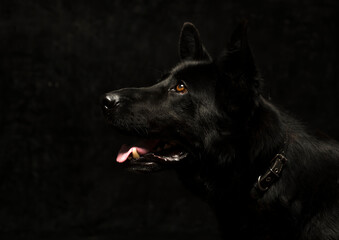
[58,176]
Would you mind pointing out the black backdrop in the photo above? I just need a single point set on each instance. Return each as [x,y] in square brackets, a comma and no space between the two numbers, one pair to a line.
[58,176]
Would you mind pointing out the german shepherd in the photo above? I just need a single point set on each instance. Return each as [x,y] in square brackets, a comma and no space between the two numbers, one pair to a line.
[264,174]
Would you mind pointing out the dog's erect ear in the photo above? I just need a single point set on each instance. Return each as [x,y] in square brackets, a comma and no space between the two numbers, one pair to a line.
[190,46]
[240,53]
[238,63]
[240,83]
[239,37]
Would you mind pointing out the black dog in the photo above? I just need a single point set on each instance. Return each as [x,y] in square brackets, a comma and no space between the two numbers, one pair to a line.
[263,173]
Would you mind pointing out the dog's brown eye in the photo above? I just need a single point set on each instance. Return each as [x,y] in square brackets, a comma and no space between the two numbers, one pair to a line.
[181,88]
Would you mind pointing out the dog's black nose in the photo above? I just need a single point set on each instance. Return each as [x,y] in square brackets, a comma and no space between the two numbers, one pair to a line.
[110,101]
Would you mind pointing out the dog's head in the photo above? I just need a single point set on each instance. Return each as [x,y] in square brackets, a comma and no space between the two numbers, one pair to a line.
[198,103]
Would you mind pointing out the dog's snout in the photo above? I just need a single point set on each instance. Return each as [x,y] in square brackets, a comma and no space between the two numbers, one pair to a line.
[110,101]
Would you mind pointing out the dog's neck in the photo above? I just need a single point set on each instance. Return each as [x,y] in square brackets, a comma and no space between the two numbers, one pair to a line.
[269,134]
[243,159]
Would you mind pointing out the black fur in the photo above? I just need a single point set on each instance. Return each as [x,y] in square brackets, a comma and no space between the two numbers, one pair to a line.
[231,133]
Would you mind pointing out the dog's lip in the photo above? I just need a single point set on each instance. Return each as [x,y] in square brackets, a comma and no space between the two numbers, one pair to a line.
[172,157]
[152,162]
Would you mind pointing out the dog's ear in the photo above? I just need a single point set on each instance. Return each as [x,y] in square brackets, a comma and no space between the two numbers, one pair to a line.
[239,52]
[190,46]
[238,38]
[240,82]
[237,63]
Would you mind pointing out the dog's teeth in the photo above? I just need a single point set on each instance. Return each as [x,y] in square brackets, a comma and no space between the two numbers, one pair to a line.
[135,154]
[167,146]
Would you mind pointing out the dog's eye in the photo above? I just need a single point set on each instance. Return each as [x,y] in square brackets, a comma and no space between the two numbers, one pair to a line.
[180,88]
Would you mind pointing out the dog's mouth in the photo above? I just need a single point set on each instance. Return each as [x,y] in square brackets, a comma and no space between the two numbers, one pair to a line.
[151,155]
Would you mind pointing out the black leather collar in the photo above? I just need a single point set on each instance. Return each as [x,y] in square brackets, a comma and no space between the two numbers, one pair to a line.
[266,180]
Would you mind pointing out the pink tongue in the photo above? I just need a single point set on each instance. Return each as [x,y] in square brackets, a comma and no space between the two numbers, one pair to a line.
[142,148]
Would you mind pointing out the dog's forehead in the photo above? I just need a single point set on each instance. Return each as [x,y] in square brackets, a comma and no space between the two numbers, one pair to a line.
[191,68]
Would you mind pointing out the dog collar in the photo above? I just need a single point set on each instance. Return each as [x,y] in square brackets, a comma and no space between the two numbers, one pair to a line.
[266,180]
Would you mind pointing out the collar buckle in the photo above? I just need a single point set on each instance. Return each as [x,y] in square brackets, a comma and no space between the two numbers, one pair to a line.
[266,180]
